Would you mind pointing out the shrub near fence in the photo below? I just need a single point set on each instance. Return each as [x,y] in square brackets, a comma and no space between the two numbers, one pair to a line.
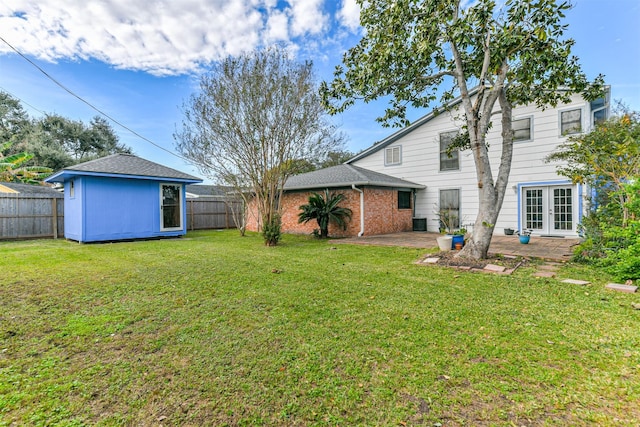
[31,216]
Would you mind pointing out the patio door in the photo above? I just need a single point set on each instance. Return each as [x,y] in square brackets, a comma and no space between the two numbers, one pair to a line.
[170,207]
[549,210]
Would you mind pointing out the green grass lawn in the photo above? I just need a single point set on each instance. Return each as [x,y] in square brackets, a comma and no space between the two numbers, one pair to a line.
[215,329]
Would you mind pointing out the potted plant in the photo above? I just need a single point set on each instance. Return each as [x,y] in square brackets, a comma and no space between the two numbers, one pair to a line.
[524,236]
[509,231]
[448,220]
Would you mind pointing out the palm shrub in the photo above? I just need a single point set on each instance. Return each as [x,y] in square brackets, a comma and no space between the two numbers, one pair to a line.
[324,208]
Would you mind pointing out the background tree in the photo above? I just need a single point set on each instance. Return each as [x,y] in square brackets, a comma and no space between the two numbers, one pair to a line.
[55,141]
[605,158]
[509,55]
[325,209]
[254,117]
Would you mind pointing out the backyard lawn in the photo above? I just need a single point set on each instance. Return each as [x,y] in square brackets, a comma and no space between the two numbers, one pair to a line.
[216,329]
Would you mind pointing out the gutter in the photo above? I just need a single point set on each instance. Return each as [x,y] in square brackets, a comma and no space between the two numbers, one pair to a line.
[353,186]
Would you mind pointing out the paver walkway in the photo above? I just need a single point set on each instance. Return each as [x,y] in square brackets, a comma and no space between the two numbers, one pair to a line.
[551,248]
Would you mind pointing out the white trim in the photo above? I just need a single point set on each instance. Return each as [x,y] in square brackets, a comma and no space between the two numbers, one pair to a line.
[180,204]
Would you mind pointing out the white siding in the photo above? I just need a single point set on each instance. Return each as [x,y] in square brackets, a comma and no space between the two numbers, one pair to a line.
[420,162]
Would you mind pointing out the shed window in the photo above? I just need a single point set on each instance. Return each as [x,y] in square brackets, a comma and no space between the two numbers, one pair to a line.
[571,121]
[404,199]
[448,161]
[522,129]
[72,189]
[392,156]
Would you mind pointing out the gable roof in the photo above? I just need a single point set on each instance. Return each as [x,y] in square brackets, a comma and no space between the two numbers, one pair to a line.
[345,176]
[123,165]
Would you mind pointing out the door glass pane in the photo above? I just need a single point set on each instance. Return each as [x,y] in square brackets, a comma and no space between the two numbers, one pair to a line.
[562,209]
[171,206]
[534,209]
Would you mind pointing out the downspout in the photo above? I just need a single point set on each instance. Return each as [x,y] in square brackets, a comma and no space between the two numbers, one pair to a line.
[353,186]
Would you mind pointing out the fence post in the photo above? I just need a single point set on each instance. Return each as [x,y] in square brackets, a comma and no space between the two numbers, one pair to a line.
[54,214]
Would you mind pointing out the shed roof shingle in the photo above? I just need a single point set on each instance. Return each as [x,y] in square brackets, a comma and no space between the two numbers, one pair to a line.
[126,164]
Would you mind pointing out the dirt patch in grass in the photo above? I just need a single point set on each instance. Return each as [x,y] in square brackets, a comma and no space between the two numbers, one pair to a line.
[449,259]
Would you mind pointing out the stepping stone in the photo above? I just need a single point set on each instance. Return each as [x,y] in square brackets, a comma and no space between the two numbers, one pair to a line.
[433,260]
[576,282]
[548,267]
[496,268]
[544,274]
[622,288]
[464,268]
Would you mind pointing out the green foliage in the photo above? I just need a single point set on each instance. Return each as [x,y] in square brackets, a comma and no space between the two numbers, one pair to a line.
[605,158]
[610,242]
[325,209]
[54,141]
[13,168]
[271,230]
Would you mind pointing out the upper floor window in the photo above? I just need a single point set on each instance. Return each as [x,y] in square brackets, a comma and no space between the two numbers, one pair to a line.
[599,109]
[571,121]
[393,156]
[448,160]
[522,129]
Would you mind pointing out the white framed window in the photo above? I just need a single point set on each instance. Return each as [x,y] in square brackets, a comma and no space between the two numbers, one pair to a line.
[599,110]
[448,161]
[72,188]
[571,121]
[393,156]
[171,199]
[522,129]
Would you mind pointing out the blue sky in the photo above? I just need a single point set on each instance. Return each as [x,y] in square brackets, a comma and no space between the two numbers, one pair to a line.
[138,61]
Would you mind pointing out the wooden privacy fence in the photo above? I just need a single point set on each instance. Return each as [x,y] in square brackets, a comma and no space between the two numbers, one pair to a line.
[31,216]
[205,214]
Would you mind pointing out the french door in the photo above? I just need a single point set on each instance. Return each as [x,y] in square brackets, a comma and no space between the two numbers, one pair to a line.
[550,210]
[170,207]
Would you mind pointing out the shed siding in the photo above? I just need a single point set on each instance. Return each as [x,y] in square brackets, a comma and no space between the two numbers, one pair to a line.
[420,161]
[73,219]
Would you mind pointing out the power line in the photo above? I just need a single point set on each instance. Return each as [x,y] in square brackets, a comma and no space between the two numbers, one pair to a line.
[22,100]
[70,92]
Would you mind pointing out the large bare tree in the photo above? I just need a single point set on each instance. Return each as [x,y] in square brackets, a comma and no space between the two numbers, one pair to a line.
[254,116]
[420,51]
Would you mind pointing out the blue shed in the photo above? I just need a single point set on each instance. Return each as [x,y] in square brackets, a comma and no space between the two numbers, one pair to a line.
[122,197]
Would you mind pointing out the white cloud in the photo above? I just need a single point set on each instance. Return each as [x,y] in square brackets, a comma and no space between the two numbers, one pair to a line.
[307,17]
[349,14]
[160,37]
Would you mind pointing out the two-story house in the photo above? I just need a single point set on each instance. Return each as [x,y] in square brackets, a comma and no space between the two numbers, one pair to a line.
[422,179]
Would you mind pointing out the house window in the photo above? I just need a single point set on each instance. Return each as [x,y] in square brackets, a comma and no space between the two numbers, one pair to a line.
[404,199]
[599,110]
[448,161]
[571,121]
[72,189]
[522,129]
[449,209]
[392,156]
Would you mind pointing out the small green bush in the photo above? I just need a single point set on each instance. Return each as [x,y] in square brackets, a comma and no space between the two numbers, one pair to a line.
[271,230]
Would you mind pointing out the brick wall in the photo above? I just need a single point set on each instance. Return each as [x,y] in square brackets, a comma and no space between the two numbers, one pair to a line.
[382,215]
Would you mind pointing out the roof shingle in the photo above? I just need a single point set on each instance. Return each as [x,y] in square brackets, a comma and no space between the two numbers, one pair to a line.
[344,176]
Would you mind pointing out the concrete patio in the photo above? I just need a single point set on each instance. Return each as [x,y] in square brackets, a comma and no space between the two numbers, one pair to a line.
[549,248]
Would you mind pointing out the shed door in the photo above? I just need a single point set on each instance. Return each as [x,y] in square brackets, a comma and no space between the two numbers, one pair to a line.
[171,207]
